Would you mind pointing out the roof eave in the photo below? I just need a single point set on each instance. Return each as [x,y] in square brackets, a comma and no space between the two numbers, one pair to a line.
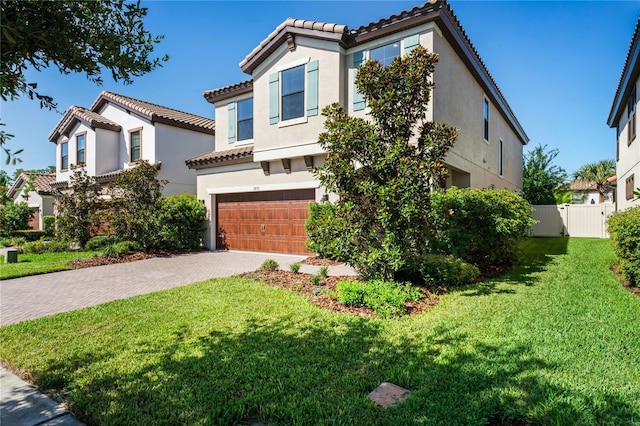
[629,75]
[212,97]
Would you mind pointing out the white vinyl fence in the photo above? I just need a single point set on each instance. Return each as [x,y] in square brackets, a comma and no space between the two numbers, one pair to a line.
[572,220]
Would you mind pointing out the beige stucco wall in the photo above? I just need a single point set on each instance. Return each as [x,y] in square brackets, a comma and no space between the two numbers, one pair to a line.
[629,158]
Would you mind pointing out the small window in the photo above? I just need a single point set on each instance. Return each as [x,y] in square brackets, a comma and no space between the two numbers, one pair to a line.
[80,139]
[293,93]
[245,119]
[485,113]
[385,54]
[631,103]
[64,156]
[631,134]
[500,162]
[135,137]
[629,187]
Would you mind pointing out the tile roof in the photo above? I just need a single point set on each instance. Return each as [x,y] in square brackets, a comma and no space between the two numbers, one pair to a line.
[76,113]
[218,158]
[42,183]
[629,74]
[228,91]
[584,185]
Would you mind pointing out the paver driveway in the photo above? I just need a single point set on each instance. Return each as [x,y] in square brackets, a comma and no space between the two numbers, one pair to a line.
[41,295]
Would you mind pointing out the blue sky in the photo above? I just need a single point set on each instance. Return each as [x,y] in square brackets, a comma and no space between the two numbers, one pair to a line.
[557,63]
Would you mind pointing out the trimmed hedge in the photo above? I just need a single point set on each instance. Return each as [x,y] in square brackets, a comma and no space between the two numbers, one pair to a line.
[624,231]
[29,234]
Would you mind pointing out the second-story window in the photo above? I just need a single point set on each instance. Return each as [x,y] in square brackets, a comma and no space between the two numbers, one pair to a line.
[293,93]
[80,139]
[385,54]
[500,158]
[64,156]
[245,119]
[485,113]
[135,137]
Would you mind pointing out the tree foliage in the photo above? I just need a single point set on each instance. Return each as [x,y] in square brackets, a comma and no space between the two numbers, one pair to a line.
[182,222]
[14,217]
[136,200]
[540,176]
[384,169]
[78,209]
[598,172]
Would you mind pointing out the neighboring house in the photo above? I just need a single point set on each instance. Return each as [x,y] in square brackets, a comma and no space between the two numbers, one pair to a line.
[586,192]
[258,181]
[40,197]
[117,132]
[624,117]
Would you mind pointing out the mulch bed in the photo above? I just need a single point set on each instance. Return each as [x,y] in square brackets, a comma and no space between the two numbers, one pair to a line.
[301,283]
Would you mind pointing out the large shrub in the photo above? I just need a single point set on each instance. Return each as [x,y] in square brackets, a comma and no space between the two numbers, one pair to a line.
[14,217]
[182,220]
[49,225]
[328,232]
[624,229]
[480,226]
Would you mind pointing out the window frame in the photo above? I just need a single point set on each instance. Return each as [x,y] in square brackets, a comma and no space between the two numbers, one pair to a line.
[485,119]
[629,187]
[83,150]
[631,132]
[64,155]
[299,92]
[500,157]
[389,59]
[244,119]
[131,133]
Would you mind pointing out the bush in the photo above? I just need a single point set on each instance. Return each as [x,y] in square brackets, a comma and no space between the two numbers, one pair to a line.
[182,220]
[446,271]
[42,246]
[327,232]
[269,265]
[480,226]
[14,217]
[324,271]
[49,225]
[29,234]
[624,229]
[100,241]
[316,279]
[121,248]
[295,267]
[386,298]
[12,241]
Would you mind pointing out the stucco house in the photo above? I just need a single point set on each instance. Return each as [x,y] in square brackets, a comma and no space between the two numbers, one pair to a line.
[585,192]
[118,131]
[258,181]
[623,117]
[39,197]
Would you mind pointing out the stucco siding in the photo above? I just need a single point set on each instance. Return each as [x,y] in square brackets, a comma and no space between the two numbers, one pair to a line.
[628,162]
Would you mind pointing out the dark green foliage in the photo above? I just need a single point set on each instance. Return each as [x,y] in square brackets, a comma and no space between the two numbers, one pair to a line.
[182,220]
[316,279]
[295,267]
[100,241]
[78,210]
[14,217]
[386,298]
[269,265]
[384,170]
[480,226]
[29,234]
[123,247]
[328,231]
[49,225]
[540,176]
[42,246]
[136,200]
[442,270]
[624,229]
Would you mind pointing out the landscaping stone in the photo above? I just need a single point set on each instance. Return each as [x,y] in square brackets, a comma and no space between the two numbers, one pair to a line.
[389,395]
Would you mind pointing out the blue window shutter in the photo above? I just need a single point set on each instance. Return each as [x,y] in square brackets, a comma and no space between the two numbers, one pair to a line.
[232,122]
[411,43]
[358,99]
[274,98]
[312,88]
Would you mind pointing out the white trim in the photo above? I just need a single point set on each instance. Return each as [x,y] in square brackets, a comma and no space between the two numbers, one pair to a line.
[294,121]
[263,188]
[312,148]
[301,61]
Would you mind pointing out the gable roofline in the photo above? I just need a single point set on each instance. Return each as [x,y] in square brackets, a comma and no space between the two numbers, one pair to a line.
[77,114]
[630,73]
[216,95]
[41,182]
[156,113]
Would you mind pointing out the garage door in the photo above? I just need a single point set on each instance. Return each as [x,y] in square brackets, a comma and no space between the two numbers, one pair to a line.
[270,222]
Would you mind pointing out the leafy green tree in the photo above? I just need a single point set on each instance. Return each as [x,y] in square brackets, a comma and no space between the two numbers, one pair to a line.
[540,177]
[182,222]
[79,209]
[136,201]
[74,36]
[598,172]
[14,217]
[384,169]
[5,182]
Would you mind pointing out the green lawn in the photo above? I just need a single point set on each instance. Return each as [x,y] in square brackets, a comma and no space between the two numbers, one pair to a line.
[556,341]
[33,264]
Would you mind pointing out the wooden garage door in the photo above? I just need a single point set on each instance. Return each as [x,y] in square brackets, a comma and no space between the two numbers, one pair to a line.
[270,222]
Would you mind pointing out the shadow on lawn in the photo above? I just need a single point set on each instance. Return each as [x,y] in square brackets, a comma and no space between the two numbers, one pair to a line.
[318,369]
[531,261]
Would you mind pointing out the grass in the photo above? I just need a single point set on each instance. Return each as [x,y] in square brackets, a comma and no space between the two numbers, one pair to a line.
[555,341]
[33,264]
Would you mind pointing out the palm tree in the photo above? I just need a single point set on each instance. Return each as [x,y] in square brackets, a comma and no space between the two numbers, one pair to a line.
[598,173]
